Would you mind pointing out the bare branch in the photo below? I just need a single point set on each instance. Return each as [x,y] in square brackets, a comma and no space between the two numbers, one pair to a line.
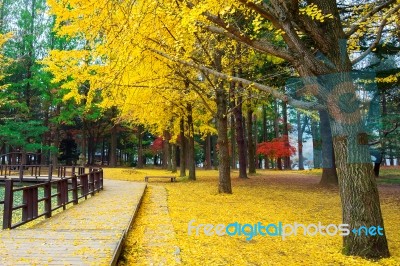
[378,36]
[385,133]
[375,10]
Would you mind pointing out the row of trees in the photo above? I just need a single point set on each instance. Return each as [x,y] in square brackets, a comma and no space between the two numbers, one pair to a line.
[183,70]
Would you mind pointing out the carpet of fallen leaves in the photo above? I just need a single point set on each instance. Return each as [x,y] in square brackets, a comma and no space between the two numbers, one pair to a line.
[268,197]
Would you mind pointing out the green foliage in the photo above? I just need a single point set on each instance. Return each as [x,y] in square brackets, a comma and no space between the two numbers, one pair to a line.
[25,134]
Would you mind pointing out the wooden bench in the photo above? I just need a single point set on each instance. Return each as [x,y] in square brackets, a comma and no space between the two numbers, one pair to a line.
[173,178]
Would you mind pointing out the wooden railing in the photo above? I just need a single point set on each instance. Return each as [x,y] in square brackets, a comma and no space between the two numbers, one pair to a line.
[67,190]
[20,171]
[39,171]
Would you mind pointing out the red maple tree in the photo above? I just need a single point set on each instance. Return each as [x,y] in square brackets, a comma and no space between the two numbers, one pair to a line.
[276,148]
[157,145]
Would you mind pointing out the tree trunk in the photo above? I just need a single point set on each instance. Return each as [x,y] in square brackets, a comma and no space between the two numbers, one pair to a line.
[329,175]
[182,151]
[173,158]
[316,143]
[250,141]
[191,155]
[233,141]
[113,147]
[214,140]
[221,99]
[167,151]
[224,185]
[207,153]
[358,189]
[286,159]
[139,136]
[360,203]
[300,141]
[265,133]
[276,129]
[240,140]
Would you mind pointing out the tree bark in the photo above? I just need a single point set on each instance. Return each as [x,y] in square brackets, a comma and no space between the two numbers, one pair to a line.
[191,155]
[276,129]
[317,143]
[240,140]
[214,140]
[233,141]
[140,147]
[329,174]
[358,189]
[173,158]
[300,141]
[224,184]
[113,147]
[182,151]
[166,151]
[286,159]
[207,153]
[221,99]
[250,141]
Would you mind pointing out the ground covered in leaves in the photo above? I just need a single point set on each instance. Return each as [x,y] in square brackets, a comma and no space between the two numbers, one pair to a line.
[267,197]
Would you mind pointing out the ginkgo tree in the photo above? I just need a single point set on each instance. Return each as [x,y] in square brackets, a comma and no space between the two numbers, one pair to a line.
[312,36]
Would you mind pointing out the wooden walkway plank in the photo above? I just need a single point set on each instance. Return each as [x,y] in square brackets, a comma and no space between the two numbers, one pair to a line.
[89,233]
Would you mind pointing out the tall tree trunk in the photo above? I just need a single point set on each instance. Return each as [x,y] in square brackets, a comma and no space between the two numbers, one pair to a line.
[224,185]
[286,159]
[191,154]
[300,141]
[182,151]
[240,139]
[381,152]
[31,55]
[233,141]
[316,143]
[265,132]
[357,185]
[329,175]
[250,141]
[232,106]
[276,129]
[113,148]
[214,143]
[84,145]
[360,202]
[207,153]
[140,147]
[173,158]
[221,99]
[166,151]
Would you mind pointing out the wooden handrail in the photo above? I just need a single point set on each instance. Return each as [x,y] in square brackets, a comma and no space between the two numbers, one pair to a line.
[79,186]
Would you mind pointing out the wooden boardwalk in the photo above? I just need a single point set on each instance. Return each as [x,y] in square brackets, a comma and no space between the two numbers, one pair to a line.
[89,233]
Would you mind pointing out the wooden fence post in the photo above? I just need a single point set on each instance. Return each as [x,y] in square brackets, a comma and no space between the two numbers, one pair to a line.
[50,172]
[75,189]
[21,173]
[8,204]
[47,201]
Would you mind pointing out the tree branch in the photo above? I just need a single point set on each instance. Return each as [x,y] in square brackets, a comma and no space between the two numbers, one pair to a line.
[233,32]
[272,91]
[378,36]
[385,133]
[375,10]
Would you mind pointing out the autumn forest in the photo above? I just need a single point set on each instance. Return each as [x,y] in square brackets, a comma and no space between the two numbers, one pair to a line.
[242,101]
